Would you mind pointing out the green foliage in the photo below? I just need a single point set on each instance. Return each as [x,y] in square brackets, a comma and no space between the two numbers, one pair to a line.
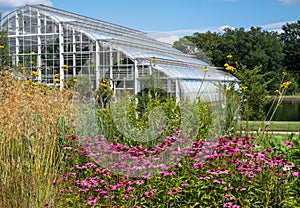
[154,113]
[254,92]
[291,48]
[252,48]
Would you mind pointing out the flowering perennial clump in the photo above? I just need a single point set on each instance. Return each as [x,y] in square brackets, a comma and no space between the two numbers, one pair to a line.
[225,172]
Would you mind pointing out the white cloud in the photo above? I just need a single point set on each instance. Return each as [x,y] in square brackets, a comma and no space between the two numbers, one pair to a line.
[223,27]
[169,39]
[19,3]
[290,2]
[171,36]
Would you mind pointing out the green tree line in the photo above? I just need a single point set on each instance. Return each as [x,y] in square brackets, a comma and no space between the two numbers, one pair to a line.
[272,51]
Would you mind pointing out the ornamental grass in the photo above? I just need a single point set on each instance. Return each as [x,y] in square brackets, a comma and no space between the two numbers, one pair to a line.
[34,120]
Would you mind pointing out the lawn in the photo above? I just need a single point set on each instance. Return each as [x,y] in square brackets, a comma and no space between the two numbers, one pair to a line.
[292,126]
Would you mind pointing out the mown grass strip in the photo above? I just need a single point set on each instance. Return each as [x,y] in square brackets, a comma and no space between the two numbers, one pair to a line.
[293,126]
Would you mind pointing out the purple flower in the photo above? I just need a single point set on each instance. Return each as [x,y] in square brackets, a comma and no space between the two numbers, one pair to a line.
[169,172]
[92,201]
[148,194]
[229,197]
[183,185]
[228,204]
[295,173]
[251,175]
[240,189]
[139,182]
[130,188]
[227,188]
[199,165]
[173,191]
[220,181]
[204,177]
[289,144]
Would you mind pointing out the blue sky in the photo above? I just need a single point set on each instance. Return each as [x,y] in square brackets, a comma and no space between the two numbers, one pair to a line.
[178,17]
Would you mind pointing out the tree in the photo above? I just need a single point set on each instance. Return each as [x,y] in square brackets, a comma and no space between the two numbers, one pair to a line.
[188,47]
[251,48]
[291,48]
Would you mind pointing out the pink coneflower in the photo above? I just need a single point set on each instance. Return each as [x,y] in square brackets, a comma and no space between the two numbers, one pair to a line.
[220,181]
[204,177]
[295,173]
[240,189]
[199,165]
[148,194]
[139,182]
[227,188]
[290,144]
[169,172]
[92,201]
[251,175]
[173,191]
[183,185]
[228,204]
[130,188]
[229,197]
[212,172]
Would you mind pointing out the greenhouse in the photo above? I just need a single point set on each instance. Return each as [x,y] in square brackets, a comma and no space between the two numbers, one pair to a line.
[55,46]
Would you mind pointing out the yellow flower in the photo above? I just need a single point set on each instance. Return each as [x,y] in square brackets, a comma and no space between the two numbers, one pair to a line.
[35,73]
[284,73]
[244,88]
[2,46]
[229,56]
[276,91]
[226,64]
[66,67]
[153,59]
[75,79]
[230,68]
[205,69]
[286,84]
[56,80]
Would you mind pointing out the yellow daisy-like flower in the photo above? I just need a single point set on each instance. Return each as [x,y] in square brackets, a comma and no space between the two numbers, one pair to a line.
[56,80]
[277,91]
[230,68]
[284,73]
[66,67]
[2,46]
[226,64]
[103,84]
[229,56]
[244,88]
[153,59]
[35,73]
[205,69]
[286,84]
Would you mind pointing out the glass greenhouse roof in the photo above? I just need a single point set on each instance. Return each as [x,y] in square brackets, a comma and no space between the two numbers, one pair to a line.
[188,71]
